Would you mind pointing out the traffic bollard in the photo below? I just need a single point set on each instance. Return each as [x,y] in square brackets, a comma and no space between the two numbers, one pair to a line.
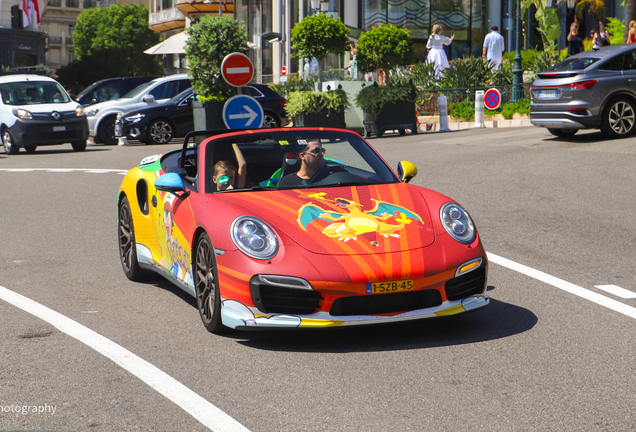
[443,113]
[479,109]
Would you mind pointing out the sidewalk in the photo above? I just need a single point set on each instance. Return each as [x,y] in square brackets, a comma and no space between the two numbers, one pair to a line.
[431,123]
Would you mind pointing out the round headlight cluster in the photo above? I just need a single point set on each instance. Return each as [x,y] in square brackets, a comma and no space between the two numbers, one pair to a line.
[457,223]
[254,238]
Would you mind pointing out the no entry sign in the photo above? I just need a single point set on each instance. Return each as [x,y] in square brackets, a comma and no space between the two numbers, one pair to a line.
[492,99]
[237,69]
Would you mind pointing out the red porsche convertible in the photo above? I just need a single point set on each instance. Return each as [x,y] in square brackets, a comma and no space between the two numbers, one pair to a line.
[298,227]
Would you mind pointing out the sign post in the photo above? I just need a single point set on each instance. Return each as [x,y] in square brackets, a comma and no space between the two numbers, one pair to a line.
[237,69]
[283,74]
[492,99]
[242,112]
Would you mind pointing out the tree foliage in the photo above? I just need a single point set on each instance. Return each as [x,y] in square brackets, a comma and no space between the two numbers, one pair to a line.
[318,35]
[209,41]
[114,40]
[385,48]
[549,23]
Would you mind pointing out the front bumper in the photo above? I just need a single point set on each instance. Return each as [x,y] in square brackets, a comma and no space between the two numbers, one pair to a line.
[49,132]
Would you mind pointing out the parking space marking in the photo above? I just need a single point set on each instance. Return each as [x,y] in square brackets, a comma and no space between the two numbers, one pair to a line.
[199,408]
[564,285]
[617,291]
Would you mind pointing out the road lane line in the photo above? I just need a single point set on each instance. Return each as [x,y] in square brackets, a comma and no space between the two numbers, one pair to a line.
[617,291]
[564,285]
[59,170]
[192,403]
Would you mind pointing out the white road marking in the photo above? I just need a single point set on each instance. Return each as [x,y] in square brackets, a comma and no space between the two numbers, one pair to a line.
[617,291]
[564,285]
[192,403]
[57,170]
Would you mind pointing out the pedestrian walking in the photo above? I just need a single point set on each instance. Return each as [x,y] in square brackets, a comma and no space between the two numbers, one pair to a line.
[436,53]
[575,42]
[494,47]
[631,35]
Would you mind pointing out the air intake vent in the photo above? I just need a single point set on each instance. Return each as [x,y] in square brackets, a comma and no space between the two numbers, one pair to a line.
[386,303]
[466,285]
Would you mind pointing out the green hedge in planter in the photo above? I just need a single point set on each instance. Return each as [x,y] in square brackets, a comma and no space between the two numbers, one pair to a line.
[372,98]
[312,102]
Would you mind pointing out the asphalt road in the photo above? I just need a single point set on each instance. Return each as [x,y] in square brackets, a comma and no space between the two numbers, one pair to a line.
[539,358]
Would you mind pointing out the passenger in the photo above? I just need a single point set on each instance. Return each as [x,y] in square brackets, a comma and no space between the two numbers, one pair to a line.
[312,159]
[33,94]
[227,176]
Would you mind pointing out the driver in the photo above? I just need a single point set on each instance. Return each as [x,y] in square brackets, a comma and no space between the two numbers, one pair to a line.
[312,159]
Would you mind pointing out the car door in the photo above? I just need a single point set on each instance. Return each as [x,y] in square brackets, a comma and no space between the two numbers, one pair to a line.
[182,118]
[629,71]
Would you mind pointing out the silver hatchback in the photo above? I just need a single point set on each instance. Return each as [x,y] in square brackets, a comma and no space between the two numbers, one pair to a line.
[590,90]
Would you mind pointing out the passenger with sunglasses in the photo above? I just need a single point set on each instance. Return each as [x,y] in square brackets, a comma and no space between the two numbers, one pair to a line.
[312,159]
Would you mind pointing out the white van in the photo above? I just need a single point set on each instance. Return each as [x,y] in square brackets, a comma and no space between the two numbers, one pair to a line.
[102,116]
[35,110]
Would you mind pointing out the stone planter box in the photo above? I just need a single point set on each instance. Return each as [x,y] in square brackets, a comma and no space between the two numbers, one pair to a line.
[393,116]
[208,115]
[334,119]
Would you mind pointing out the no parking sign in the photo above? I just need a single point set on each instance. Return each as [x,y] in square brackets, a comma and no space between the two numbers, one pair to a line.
[492,99]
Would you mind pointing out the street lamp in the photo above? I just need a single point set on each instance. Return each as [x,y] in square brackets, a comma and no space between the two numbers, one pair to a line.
[517,72]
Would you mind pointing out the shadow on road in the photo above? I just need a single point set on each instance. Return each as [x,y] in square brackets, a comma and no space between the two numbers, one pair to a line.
[496,321]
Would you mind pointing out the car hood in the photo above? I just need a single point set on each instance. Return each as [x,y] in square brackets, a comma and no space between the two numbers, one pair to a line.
[356,220]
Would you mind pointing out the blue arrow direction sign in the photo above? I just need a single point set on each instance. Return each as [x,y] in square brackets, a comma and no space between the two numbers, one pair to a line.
[241,112]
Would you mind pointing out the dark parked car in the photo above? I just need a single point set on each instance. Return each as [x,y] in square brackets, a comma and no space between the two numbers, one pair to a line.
[590,90]
[111,88]
[160,124]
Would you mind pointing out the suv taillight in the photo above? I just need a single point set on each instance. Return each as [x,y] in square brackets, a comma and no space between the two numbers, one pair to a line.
[583,85]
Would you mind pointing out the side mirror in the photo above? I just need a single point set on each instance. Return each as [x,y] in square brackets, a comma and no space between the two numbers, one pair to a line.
[171,182]
[149,98]
[406,171]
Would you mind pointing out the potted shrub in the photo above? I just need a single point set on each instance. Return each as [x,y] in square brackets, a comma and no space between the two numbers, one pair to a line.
[209,41]
[391,106]
[317,36]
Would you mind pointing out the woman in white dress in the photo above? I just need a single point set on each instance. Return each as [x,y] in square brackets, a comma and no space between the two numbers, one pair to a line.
[436,53]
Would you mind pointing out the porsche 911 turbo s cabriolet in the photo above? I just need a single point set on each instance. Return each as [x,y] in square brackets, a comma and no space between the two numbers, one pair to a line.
[354,244]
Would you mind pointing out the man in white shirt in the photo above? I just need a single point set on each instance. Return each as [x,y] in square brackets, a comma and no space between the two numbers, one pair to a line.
[493,48]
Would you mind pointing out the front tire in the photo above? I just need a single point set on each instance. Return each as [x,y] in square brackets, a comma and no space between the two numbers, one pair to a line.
[270,121]
[10,146]
[619,117]
[107,131]
[206,285]
[127,244]
[160,132]
[79,146]
[563,133]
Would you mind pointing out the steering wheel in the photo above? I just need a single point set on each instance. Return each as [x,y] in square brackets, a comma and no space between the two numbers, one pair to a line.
[326,171]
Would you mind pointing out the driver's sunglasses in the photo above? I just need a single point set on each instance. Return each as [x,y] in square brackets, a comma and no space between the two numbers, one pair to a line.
[317,150]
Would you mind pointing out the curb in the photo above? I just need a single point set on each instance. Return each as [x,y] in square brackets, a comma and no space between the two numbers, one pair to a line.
[429,124]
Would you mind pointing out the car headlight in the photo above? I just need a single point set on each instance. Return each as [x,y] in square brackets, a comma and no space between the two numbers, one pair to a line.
[457,223]
[134,118]
[92,113]
[22,113]
[79,111]
[254,238]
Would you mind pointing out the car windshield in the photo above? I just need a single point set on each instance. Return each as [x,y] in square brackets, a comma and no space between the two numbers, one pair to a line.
[134,92]
[33,93]
[348,159]
[180,96]
[573,63]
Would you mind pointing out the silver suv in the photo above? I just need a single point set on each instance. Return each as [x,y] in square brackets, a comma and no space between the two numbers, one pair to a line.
[590,90]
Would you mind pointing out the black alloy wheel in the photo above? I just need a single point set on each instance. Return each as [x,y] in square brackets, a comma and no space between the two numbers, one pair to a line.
[619,117]
[10,147]
[127,244]
[270,121]
[206,285]
[107,131]
[160,132]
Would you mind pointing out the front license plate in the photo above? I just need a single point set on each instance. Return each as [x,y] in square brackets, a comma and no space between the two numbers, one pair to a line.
[389,287]
[59,128]
[548,94]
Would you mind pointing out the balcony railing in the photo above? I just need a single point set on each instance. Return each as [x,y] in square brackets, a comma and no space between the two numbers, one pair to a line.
[69,41]
[55,40]
[55,3]
[165,15]
[72,3]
